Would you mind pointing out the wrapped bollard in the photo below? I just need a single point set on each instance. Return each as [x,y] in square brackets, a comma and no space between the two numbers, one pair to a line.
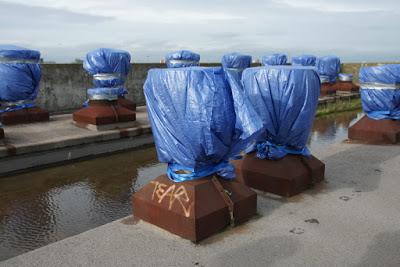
[328,68]
[199,121]
[274,59]
[20,75]
[286,100]
[107,104]
[234,64]
[380,97]
[304,60]
[182,59]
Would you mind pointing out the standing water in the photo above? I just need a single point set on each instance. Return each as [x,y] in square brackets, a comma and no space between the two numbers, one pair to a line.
[44,206]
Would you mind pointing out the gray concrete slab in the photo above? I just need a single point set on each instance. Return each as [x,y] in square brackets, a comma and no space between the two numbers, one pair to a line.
[352,219]
[36,144]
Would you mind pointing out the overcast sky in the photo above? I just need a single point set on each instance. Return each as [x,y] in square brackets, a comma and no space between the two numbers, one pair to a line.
[355,30]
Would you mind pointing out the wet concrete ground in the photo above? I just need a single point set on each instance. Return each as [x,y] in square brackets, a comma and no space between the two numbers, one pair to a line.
[44,206]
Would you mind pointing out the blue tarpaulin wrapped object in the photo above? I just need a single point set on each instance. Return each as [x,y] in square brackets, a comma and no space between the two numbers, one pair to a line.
[20,76]
[236,61]
[108,66]
[274,59]
[286,100]
[304,60]
[380,91]
[200,118]
[328,67]
[181,59]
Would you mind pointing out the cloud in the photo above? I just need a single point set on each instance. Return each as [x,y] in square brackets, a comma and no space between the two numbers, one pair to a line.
[134,11]
[332,6]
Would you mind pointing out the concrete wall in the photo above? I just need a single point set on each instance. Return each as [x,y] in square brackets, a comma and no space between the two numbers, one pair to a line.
[63,86]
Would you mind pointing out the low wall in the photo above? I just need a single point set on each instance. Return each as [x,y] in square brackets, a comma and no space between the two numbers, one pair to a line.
[63,86]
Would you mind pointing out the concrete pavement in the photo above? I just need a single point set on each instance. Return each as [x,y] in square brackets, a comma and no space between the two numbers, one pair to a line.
[352,219]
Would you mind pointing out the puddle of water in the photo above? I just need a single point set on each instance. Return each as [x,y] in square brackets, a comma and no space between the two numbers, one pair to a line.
[44,206]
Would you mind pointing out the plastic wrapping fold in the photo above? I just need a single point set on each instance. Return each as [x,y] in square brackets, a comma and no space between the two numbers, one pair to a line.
[108,66]
[286,100]
[19,80]
[200,119]
[380,91]
[182,59]
[274,59]
[304,60]
[328,66]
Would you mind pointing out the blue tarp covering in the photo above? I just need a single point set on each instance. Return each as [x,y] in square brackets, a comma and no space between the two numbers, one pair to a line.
[328,66]
[286,100]
[274,59]
[236,61]
[200,118]
[19,80]
[181,59]
[304,60]
[12,52]
[380,91]
[109,66]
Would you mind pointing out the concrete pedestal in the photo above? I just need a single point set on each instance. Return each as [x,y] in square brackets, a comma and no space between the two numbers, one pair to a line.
[375,131]
[126,103]
[328,89]
[26,115]
[346,87]
[103,112]
[196,209]
[285,177]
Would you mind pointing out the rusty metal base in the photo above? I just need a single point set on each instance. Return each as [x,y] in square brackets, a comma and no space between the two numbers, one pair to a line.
[1,133]
[26,115]
[126,103]
[100,112]
[285,177]
[327,89]
[193,210]
[346,87]
[375,131]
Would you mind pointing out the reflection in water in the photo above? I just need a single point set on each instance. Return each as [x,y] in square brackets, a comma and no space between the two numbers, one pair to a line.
[331,129]
[44,206]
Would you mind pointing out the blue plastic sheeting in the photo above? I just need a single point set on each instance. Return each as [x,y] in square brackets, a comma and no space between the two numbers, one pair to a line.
[19,80]
[345,77]
[274,59]
[328,66]
[182,59]
[380,91]
[236,61]
[108,66]
[304,60]
[12,52]
[286,100]
[200,118]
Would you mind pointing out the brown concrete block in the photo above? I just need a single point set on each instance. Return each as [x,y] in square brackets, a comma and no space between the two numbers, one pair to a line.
[101,112]
[26,115]
[375,131]
[196,209]
[327,89]
[346,87]
[285,177]
[122,101]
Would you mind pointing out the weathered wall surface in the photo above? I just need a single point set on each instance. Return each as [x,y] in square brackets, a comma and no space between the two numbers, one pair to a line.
[63,86]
